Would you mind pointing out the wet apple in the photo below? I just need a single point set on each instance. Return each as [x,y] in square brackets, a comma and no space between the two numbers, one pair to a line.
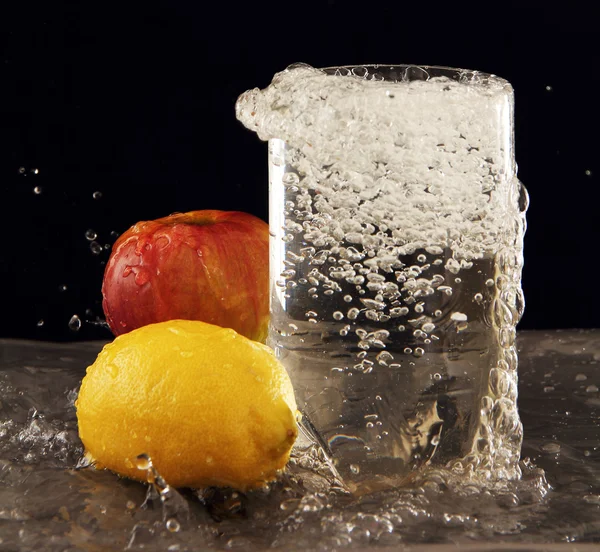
[206,265]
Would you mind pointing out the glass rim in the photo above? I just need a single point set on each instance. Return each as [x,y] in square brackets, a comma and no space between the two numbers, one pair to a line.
[405,72]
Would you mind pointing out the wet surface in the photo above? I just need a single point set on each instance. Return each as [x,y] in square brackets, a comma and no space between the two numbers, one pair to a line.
[48,504]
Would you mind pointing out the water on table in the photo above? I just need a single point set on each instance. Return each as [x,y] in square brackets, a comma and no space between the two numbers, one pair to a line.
[46,504]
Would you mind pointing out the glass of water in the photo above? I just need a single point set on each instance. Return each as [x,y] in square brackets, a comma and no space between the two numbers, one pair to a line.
[397,227]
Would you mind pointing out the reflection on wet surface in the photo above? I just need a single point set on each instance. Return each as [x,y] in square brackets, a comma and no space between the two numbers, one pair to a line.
[47,504]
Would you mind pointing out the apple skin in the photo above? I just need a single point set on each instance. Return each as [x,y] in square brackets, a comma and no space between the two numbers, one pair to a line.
[206,265]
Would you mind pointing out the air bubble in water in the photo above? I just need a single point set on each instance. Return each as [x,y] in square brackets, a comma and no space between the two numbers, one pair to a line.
[344,331]
[90,235]
[21,170]
[580,377]
[551,448]
[591,389]
[489,282]
[419,352]
[458,317]
[97,195]
[75,323]
[355,469]
[478,297]
[352,313]
[37,190]
[338,315]
[348,298]
[62,287]
[588,172]
[40,323]
[384,358]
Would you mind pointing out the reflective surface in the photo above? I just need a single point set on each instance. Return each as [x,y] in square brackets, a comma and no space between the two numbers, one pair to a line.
[47,504]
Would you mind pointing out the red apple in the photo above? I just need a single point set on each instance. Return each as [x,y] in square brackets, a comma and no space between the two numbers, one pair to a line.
[211,266]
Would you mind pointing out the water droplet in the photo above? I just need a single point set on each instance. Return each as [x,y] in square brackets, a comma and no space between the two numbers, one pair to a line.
[37,190]
[173,525]
[75,323]
[143,462]
[95,248]
[90,235]
[40,323]
[591,389]
[97,195]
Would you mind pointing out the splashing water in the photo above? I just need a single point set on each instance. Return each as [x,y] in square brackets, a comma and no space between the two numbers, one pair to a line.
[308,508]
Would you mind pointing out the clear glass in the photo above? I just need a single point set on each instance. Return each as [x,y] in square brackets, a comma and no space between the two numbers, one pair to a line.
[397,228]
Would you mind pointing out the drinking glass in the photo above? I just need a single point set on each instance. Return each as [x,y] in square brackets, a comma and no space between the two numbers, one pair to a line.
[397,227]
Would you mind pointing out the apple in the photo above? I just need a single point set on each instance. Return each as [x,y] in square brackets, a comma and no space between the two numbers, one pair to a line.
[207,265]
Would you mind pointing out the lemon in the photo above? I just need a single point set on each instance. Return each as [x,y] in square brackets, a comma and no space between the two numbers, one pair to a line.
[209,406]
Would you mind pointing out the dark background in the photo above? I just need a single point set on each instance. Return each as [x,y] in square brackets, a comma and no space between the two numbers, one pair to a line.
[140,107]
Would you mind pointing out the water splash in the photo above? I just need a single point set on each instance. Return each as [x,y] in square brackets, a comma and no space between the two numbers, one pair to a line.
[175,509]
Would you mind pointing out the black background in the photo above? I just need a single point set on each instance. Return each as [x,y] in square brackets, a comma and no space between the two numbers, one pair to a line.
[139,106]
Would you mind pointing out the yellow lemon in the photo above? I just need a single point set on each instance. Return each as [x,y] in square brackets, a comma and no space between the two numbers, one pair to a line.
[209,406]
